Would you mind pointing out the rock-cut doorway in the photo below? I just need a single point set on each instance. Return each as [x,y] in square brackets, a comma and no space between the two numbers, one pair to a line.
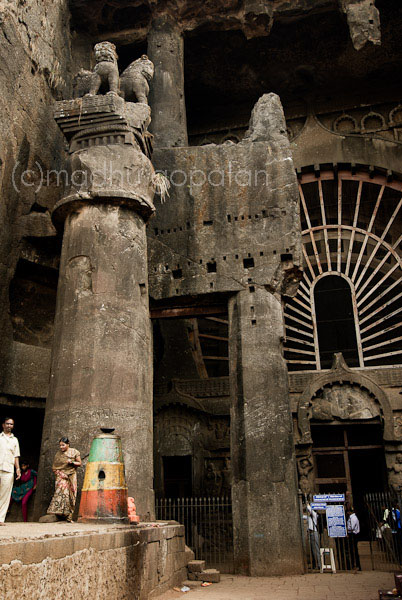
[349,458]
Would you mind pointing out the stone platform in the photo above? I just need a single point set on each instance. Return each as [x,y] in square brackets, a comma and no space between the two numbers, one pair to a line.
[61,560]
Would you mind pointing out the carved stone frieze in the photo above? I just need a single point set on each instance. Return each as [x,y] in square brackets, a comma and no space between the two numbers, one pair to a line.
[398,426]
[207,395]
[180,431]
[343,394]
[384,120]
[305,472]
[394,467]
[344,402]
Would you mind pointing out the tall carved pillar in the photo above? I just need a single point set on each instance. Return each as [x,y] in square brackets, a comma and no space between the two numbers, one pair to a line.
[101,373]
[166,51]
[267,535]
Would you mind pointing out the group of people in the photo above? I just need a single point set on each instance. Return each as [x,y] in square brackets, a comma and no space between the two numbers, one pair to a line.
[20,489]
[348,553]
[389,531]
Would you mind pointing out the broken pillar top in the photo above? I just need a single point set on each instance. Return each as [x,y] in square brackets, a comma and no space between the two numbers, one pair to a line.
[101,120]
[110,146]
[110,149]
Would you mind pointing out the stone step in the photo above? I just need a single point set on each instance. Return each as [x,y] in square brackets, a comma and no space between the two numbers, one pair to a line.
[196,566]
[211,575]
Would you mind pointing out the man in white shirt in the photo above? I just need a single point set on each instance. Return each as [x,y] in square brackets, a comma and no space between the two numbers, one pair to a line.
[353,527]
[314,537]
[9,458]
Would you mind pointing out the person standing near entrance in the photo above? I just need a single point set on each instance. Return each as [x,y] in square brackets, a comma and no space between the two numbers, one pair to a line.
[353,527]
[314,537]
[9,459]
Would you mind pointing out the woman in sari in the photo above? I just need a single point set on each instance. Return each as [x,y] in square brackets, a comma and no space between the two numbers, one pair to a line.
[25,488]
[65,465]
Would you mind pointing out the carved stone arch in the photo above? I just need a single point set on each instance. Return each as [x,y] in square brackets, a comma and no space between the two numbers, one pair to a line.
[340,373]
[334,148]
[175,432]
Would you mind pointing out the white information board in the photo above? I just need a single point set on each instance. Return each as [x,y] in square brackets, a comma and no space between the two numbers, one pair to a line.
[329,498]
[319,505]
[336,521]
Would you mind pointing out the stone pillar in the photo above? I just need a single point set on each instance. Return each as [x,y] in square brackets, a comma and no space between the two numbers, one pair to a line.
[267,531]
[165,49]
[101,372]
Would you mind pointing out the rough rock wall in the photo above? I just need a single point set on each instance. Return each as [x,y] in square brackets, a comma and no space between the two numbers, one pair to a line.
[233,216]
[35,59]
[116,565]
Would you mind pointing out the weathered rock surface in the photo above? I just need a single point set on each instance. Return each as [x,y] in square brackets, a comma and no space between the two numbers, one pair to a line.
[363,20]
[166,50]
[232,218]
[105,563]
[36,57]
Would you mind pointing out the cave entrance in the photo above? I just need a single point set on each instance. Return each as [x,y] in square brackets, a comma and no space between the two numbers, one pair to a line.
[177,476]
[349,459]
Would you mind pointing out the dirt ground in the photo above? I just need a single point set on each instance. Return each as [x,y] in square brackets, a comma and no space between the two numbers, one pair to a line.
[326,586]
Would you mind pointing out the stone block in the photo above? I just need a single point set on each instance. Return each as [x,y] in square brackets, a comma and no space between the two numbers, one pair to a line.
[212,575]
[179,560]
[48,519]
[176,544]
[189,554]
[196,566]
[9,552]
[49,548]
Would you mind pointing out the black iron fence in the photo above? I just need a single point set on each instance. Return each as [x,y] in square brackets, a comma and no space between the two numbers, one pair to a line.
[378,546]
[209,533]
[348,554]
[385,530]
[208,524]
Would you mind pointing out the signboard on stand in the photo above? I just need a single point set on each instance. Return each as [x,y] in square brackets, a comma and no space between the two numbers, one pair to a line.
[319,505]
[336,521]
[329,498]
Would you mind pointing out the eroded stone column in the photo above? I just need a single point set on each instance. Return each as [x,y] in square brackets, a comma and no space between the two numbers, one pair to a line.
[165,49]
[101,373]
[267,533]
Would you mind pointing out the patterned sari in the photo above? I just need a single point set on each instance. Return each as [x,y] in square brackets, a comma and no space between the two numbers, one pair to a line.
[65,495]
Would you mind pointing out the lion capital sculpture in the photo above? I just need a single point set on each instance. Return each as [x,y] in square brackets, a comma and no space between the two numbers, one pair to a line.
[106,70]
[134,80]
[132,85]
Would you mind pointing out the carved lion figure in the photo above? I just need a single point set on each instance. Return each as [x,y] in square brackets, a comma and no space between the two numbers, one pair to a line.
[106,70]
[134,80]
[87,83]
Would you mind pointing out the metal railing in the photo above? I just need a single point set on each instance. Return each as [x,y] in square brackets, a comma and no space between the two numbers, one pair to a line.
[378,546]
[348,554]
[208,524]
[385,535]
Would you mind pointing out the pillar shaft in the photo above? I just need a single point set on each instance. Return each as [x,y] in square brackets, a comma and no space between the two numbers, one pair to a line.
[101,372]
[165,49]
[267,533]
